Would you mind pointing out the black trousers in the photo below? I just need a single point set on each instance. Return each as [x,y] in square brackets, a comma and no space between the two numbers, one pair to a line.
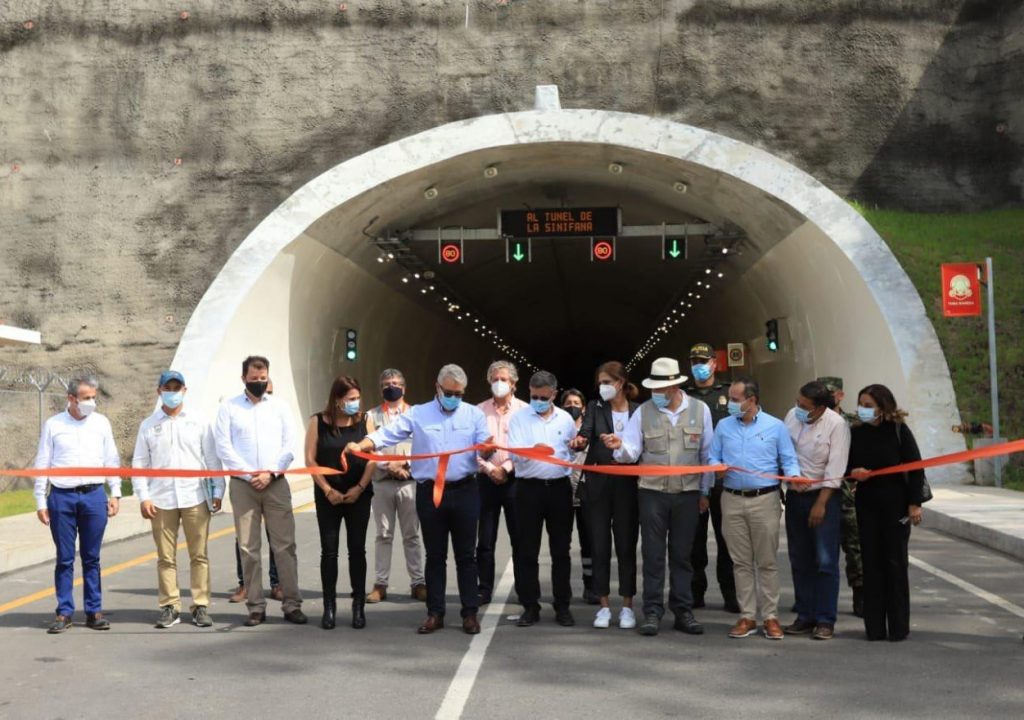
[881,503]
[586,558]
[457,516]
[610,503]
[328,519]
[668,522]
[541,503]
[699,556]
[493,500]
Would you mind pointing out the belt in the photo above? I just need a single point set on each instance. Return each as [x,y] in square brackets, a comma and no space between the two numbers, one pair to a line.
[273,476]
[753,493]
[547,482]
[89,487]
[450,484]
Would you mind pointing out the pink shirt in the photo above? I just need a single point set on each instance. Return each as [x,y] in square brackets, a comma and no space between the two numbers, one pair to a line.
[497,424]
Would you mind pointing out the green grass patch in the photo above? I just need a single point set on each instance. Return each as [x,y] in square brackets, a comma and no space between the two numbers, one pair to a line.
[922,242]
[15,502]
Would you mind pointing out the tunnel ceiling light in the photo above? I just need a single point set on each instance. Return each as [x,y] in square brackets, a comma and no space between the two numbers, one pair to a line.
[615,168]
[680,187]
[380,258]
[405,280]
[725,251]
[707,271]
[490,172]
[430,193]
[721,275]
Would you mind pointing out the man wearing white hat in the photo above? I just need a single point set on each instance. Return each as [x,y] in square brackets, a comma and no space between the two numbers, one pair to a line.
[669,429]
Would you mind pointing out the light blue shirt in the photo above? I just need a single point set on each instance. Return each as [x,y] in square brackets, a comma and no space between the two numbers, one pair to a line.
[764,446]
[434,430]
[527,429]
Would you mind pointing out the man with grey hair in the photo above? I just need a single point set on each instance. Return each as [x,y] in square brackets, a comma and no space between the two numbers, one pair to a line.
[496,478]
[543,498]
[76,508]
[443,425]
[394,497]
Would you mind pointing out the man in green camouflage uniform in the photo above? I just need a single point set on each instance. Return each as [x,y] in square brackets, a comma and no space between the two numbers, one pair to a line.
[849,539]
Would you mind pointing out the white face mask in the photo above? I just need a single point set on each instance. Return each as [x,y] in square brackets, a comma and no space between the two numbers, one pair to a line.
[607,392]
[86,407]
[500,388]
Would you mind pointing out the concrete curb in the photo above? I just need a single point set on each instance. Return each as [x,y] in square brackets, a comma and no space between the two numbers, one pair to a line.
[967,527]
[24,542]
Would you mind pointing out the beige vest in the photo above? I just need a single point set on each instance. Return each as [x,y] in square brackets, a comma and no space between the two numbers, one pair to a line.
[668,445]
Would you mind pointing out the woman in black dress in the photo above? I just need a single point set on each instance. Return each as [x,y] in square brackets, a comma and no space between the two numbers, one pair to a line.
[887,505]
[341,497]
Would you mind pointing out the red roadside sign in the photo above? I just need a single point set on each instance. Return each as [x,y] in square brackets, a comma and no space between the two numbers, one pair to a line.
[961,290]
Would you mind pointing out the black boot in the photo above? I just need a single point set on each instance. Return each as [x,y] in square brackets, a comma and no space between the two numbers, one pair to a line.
[327,622]
[858,602]
[358,616]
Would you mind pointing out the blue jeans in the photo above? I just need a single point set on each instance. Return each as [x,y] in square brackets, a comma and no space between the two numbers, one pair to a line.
[457,516]
[78,516]
[814,556]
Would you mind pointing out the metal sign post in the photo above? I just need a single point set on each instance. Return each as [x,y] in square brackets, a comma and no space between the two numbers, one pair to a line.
[997,462]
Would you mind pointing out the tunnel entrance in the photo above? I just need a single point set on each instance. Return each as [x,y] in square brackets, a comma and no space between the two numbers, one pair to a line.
[361,248]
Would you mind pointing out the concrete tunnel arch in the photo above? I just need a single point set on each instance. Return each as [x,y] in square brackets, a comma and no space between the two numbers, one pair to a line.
[301,275]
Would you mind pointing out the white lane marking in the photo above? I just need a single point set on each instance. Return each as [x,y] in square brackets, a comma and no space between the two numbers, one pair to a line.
[462,684]
[969,587]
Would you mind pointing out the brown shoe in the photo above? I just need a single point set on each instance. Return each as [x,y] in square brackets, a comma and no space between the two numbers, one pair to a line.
[823,632]
[470,625]
[379,593]
[772,629]
[419,592]
[743,628]
[432,623]
[239,595]
[276,593]
[255,618]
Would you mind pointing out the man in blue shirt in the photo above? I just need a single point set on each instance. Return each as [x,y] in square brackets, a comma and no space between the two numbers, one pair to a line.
[442,425]
[752,502]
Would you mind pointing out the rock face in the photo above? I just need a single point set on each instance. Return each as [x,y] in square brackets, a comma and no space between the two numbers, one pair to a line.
[139,145]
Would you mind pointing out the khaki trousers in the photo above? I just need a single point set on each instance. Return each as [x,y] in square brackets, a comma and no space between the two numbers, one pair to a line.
[196,523]
[391,499]
[251,507]
[751,529]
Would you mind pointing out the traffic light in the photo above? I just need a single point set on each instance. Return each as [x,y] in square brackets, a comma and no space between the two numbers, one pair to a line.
[350,345]
[772,335]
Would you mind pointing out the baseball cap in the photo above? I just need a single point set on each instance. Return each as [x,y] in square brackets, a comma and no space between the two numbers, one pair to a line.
[167,375]
[703,351]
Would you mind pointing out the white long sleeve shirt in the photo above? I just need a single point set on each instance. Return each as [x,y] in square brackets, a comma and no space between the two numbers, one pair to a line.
[557,430]
[254,435]
[183,441]
[67,442]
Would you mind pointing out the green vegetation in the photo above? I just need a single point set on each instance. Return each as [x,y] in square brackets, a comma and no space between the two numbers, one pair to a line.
[15,502]
[922,243]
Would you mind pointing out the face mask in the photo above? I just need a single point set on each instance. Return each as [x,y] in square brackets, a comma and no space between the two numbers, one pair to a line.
[351,407]
[256,388]
[865,414]
[701,372]
[574,412]
[607,392]
[660,400]
[449,403]
[735,408]
[86,407]
[500,388]
[802,415]
[540,406]
[172,399]
[392,393]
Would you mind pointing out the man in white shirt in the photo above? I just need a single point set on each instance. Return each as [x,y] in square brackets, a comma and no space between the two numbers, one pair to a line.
[173,437]
[254,433]
[821,437]
[543,498]
[76,508]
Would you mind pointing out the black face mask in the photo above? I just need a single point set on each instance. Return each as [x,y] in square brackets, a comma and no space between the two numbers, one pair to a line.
[256,388]
[392,393]
[574,412]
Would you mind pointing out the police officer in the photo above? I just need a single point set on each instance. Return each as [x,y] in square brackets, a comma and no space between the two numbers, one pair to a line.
[715,395]
[848,537]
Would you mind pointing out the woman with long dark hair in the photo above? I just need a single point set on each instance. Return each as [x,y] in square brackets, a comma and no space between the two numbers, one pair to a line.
[344,497]
[887,506]
[610,501]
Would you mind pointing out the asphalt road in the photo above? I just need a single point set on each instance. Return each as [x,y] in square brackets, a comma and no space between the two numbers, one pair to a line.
[964,658]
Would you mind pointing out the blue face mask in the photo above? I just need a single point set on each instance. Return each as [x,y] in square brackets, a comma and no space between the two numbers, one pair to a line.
[865,414]
[660,400]
[540,406]
[802,415]
[701,372]
[351,407]
[449,403]
[735,408]
[172,399]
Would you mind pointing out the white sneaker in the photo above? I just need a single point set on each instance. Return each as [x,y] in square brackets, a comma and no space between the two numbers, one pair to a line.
[603,618]
[627,619]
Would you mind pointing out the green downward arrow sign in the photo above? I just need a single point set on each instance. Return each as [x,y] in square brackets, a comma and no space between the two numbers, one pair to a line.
[674,252]
[518,254]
